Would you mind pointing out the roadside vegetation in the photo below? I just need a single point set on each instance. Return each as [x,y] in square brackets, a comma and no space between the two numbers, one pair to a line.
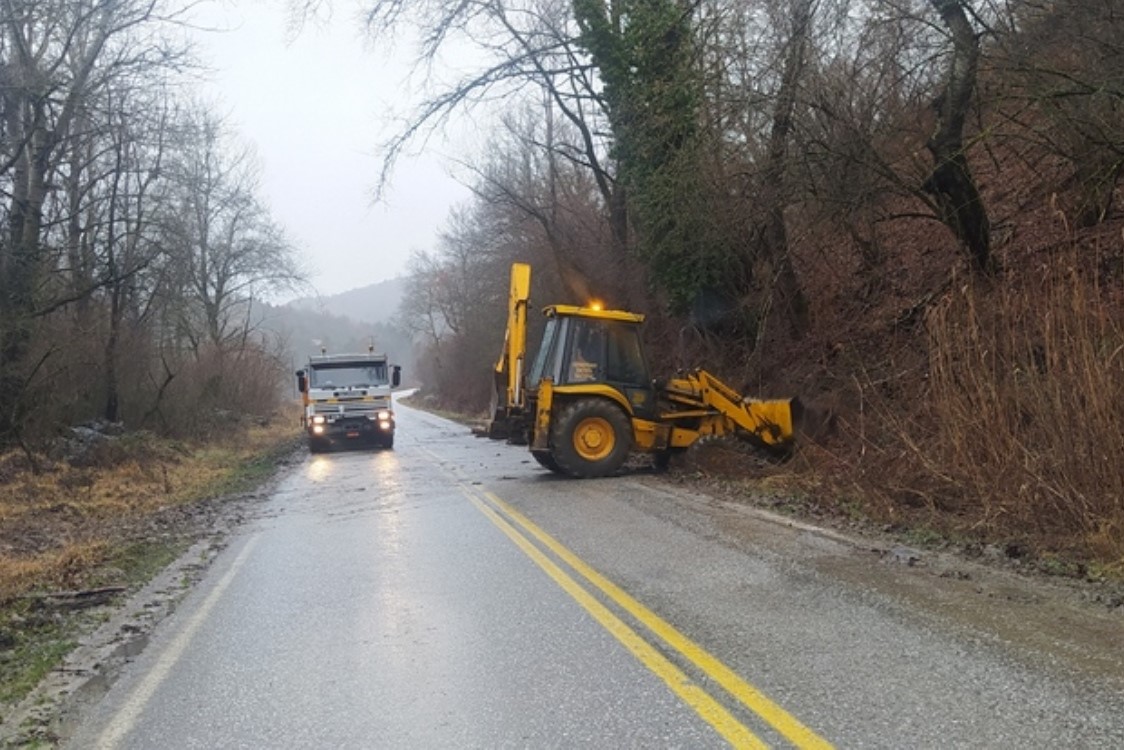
[1017,436]
[85,531]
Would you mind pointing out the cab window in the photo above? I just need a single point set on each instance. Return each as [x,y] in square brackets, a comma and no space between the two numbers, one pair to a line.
[625,360]
[545,364]
[586,363]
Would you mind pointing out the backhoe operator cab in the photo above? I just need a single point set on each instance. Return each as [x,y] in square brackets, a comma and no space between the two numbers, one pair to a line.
[587,400]
[583,346]
[591,368]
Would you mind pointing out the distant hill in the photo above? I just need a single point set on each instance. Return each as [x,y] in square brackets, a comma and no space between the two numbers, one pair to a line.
[374,303]
[341,323]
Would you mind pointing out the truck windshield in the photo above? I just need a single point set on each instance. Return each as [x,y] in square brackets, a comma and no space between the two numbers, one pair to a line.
[346,375]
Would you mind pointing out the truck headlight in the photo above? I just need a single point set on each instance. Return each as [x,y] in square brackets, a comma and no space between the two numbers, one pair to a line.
[318,420]
[318,429]
[384,415]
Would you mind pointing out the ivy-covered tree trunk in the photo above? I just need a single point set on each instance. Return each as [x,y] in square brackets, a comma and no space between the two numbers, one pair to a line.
[645,53]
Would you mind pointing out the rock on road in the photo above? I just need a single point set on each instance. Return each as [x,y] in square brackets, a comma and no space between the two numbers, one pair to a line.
[452,594]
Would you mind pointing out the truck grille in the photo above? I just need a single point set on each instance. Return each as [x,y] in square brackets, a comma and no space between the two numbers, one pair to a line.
[347,408]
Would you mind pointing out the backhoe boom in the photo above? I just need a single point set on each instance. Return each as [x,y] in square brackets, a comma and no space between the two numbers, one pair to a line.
[508,396]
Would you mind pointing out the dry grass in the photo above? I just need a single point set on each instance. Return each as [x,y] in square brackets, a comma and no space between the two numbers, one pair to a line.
[107,526]
[1018,433]
[1036,387]
[64,568]
[59,526]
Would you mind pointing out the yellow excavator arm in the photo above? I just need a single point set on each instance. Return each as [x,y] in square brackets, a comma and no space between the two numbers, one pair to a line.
[721,410]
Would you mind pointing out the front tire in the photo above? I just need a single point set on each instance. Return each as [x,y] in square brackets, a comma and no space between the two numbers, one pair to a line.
[547,461]
[591,437]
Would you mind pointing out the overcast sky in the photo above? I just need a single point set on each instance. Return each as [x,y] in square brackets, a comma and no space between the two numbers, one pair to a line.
[315,108]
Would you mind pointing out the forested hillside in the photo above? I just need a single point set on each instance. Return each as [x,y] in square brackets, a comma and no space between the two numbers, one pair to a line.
[373,303]
[351,321]
[907,211]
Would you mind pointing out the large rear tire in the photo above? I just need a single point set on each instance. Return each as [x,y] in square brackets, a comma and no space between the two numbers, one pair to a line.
[547,461]
[591,437]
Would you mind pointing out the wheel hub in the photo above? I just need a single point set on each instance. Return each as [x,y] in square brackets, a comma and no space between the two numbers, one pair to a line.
[593,439]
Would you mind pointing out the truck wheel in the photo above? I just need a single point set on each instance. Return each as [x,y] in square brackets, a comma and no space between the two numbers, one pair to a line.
[547,461]
[591,437]
[388,442]
[317,445]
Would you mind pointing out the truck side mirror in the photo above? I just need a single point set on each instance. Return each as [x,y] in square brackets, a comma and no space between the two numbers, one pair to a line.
[302,381]
[396,376]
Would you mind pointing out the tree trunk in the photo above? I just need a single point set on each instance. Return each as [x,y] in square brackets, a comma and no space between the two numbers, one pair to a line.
[21,269]
[781,273]
[951,182]
[116,291]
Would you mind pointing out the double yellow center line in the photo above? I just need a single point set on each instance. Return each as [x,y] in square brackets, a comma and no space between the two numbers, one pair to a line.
[521,531]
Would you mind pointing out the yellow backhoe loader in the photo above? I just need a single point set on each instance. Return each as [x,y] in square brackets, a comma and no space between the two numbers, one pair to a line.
[587,400]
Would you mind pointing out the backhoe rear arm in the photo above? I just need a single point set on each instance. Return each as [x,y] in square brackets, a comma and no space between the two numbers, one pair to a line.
[509,368]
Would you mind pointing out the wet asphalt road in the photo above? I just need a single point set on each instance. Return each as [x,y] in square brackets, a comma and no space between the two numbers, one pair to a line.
[452,594]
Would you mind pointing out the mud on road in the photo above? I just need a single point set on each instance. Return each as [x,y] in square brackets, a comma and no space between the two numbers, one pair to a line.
[1061,623]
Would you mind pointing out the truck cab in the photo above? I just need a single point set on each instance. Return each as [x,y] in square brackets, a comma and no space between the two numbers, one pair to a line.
[348,399]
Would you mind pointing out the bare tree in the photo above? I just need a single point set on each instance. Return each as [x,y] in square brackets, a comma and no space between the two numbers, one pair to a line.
[129,243]
[529,171]
[225,247]
[951,181]
[1057,83]
[455,301]
[781,275]
[530,54]
[56,59]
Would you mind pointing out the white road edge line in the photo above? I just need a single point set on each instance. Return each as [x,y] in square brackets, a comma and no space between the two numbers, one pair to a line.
[126,719]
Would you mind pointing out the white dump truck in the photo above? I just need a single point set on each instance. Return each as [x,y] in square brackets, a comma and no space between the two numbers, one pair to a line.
[348,398]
